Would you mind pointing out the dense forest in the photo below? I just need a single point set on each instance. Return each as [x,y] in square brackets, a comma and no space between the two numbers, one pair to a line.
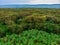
[29,26]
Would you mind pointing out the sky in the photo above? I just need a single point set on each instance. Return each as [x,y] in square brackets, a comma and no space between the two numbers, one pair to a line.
[29,2]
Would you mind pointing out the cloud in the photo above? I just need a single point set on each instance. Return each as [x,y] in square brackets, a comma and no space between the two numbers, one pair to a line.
[29,1]
[45,1]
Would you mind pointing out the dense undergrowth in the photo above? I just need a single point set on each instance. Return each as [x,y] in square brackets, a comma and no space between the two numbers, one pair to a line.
[18,22]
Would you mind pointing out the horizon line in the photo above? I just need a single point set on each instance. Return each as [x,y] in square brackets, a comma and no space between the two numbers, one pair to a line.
[29,3]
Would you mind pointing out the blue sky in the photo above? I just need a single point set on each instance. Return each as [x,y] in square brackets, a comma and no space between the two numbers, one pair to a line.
[29,2]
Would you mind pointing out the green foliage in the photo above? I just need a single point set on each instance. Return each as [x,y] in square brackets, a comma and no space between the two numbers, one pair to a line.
[18,20]
[16,25]
[3,30]
[45,23]
[31,37]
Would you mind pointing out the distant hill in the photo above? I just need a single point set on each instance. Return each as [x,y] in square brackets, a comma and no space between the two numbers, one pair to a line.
[30,6]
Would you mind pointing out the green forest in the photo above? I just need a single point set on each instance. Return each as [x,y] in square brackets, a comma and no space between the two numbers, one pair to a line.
[29,26]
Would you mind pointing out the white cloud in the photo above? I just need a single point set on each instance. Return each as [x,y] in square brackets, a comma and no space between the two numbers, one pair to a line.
[45,2]
[29,1]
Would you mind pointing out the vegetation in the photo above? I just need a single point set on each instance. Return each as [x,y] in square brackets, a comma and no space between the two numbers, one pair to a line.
[29,26]
[31,37]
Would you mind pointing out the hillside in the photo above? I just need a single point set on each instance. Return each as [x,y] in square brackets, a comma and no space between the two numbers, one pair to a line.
[29,26]
[30,6]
